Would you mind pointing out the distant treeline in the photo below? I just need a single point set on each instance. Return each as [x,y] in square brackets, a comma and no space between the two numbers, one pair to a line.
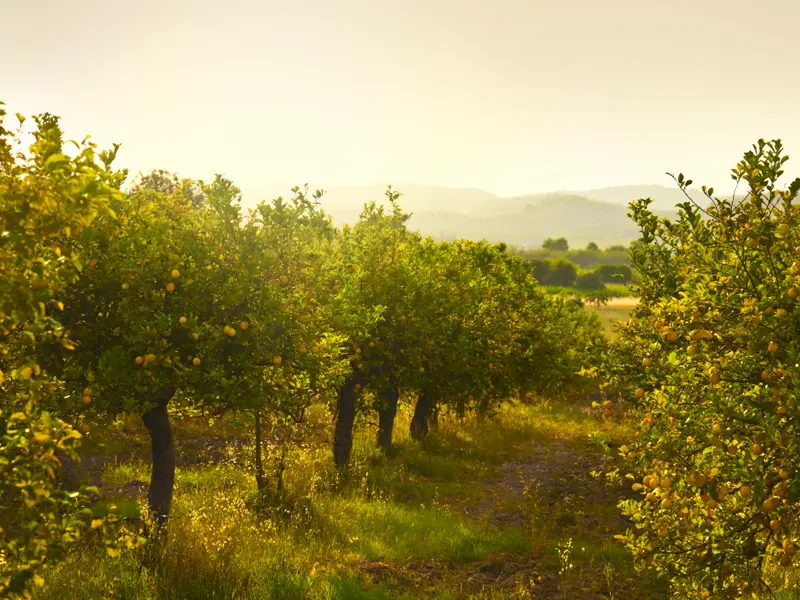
[563,273]
[591,268]
[590,257]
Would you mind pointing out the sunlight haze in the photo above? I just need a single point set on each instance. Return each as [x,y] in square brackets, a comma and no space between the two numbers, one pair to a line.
[511,97]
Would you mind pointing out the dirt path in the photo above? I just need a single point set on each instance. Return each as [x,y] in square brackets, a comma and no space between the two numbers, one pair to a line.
[551,494]
[554,476]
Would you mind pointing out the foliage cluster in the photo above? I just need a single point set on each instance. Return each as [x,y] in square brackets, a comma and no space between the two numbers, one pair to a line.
[564,273]
[46,200]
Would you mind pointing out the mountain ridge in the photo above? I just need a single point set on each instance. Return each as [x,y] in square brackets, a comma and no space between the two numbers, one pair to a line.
[447,213]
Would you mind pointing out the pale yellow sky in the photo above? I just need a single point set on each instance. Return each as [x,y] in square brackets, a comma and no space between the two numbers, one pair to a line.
[511,96]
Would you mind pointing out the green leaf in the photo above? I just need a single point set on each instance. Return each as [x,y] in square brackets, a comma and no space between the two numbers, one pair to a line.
[55,159]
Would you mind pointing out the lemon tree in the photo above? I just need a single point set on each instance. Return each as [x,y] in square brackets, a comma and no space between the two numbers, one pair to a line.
[491,333]
[436,328]
[295,354]
[151,318]
[462,326]
[147,320]
[375,284]
[552,340]
[193,305]
[710,355]
[47,198]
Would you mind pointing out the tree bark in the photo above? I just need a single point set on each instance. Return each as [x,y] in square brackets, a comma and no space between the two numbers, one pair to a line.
[461,409]
[386,415]
[162,477]
[483,409]
[345,418]
[419,422]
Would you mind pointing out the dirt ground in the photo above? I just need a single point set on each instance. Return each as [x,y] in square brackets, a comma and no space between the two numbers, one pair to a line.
[550,492]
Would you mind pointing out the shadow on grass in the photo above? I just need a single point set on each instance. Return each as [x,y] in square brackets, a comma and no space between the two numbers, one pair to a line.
[308,542]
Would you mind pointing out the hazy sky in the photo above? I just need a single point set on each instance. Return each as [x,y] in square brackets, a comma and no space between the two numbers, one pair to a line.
[511,96]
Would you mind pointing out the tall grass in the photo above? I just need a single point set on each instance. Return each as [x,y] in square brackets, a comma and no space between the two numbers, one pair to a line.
[314,539]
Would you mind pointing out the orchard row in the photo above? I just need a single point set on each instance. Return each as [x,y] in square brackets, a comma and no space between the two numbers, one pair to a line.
[169,292]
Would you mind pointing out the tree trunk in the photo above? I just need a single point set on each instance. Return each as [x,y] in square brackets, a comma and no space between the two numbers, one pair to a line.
[483,408]
[419,422]
[345,417]
[386,414]
[461,409]
[259,463]
[162,478]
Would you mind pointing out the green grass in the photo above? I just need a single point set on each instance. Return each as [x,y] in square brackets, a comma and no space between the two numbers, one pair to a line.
[611,290]
[120,473]
[620,290]
[400,531]
[396,527]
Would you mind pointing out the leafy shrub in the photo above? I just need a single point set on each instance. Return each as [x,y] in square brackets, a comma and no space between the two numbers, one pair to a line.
[615,273]
[541,270]
[590,280]
[562,273]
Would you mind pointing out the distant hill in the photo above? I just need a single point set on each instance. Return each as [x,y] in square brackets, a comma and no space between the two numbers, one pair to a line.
[578,219]
[664,198]
[449,213]
[351,199]
[516,204]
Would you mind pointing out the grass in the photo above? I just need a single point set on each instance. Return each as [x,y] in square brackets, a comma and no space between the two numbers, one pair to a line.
[609,316]
[620,290]
[445,518]
[611,290]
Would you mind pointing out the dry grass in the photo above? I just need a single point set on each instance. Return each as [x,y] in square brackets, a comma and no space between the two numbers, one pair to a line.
[612,314]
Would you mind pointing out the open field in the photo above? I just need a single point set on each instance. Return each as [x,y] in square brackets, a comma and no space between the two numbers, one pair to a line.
[621,291]
[507,509]
[612,291]
[614,311]
[624,302]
